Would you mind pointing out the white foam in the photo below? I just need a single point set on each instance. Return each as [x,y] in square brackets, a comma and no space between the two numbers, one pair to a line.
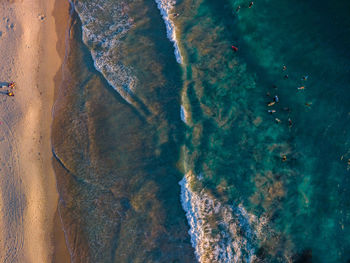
[165,7]
[219,233]
[183,114]
[107,39]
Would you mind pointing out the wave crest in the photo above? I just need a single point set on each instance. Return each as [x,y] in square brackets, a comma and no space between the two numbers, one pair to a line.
[165,7]
[103,40]
[219,233]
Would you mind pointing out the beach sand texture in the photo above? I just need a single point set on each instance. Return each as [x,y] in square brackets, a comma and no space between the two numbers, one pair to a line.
[28,195]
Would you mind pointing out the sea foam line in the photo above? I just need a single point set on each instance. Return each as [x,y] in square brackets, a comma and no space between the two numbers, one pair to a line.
[230,238]
[103,40]
[165,6]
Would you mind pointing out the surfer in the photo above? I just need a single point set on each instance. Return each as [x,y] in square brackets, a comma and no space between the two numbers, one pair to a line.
[271,104]
[235,49]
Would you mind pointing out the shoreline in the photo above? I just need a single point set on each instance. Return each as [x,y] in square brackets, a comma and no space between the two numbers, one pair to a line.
[28,187]
[60,252]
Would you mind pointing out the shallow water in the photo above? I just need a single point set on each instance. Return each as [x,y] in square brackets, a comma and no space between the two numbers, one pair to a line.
[129,144]
[116,171]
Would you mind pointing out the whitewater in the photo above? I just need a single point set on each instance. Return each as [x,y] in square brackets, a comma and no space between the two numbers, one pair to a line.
[165,7]
[230,239]
[235,242]
[102,40]
[239,230]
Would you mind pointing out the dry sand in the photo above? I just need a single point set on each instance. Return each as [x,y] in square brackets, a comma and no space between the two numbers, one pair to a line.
[29,55]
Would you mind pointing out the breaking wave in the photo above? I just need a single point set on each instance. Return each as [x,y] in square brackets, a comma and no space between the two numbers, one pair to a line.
[165,7]
[103,40]
[219,233]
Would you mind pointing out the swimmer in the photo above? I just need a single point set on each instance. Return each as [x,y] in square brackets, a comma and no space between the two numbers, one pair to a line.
[251,4]
[238,7]
[286,76]
[305,78]
[277,120]
[290,123]
[284,158]
[271,111]
[284,68]
[301,88]
[235,49]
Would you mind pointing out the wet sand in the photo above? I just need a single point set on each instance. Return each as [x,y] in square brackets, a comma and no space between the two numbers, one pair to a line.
[29,55]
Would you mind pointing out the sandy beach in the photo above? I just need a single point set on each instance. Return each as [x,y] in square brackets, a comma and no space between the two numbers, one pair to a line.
[31,53]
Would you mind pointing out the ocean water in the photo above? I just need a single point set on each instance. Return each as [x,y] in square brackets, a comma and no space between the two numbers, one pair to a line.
[173,147]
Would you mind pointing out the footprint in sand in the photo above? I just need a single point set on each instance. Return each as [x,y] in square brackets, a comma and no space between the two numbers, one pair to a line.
[10,26]
[41,17]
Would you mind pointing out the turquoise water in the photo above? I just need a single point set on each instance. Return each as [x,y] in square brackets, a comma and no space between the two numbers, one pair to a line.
[258,186]
[238,146]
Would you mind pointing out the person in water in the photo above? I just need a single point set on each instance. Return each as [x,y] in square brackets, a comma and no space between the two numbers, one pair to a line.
[251,4]
[238,8]
[235,49]
[276,99]
[286,76]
